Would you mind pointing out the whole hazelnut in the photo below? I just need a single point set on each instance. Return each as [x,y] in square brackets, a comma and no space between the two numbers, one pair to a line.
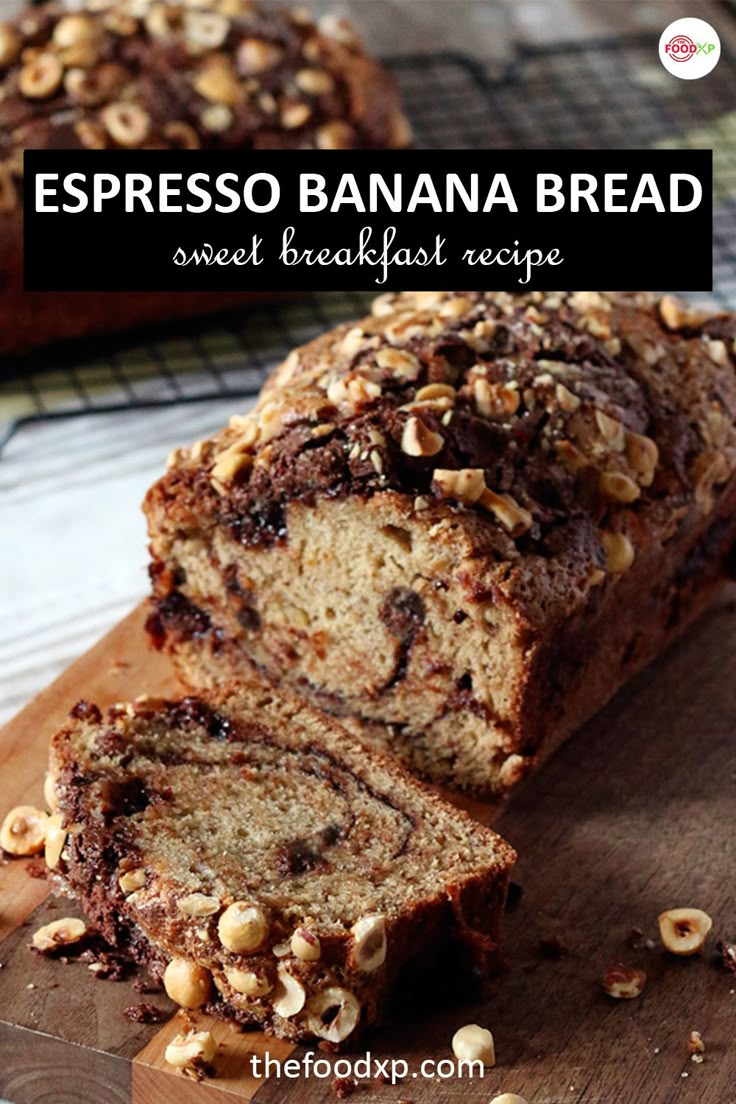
[474,1044]
[242,927]
[187,984]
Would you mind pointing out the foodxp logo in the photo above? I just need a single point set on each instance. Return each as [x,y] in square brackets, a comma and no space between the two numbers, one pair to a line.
[689,48]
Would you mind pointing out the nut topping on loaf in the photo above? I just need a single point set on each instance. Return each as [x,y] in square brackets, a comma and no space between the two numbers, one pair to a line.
[263,864]
[549,476]
[154,75]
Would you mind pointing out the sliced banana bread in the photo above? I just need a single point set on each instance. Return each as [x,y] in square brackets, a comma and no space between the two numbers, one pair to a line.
[252,854]
[460,524]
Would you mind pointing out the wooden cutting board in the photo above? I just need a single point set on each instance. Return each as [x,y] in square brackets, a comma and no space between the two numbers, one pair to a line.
[633,816]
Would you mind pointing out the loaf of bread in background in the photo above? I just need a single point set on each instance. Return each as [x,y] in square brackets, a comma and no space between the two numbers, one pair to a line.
[153,75]
[460,524]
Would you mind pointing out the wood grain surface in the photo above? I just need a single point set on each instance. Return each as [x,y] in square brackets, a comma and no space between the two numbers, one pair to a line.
[633,816]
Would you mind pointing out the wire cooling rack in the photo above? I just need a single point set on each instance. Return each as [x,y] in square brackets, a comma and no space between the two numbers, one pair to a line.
[594,94]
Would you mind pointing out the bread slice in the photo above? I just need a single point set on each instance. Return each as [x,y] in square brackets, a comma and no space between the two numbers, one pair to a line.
[461,524]
[288,874]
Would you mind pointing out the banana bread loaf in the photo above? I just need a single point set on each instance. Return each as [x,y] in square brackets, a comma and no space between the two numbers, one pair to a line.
[460,524]
[154,75]
[252,854]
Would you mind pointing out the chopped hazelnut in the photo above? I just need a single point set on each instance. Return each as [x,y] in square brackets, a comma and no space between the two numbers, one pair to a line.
[191,1051]
[474,1044]
[402,364]
[315,82]
[92,87]
[243,927]
[677,315]
[514,518]
[623,982]
[333,1014]
[294,114]
[54,841]
[255,56]
[73,29]
[441,395]
[205,30]
[617,487]
[59,933]
[216,118]
[198,904]
[10,44]
[619,552]
[230,464]
[466,485]
[49,791]
[495,400]
[571,456]
[126,123]
[567,400]
[187,984]
[369,943]
[23,831]
[418,440]
[695,1044]
[334,135]
[305,945]
[611,430]
[643,454]
[40,77]
[132,880]
[217,82]
[289,995]
[684,930]
[248,983]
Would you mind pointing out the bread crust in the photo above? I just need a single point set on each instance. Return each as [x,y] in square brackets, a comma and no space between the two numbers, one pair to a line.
[331,836]
[461,524]
[226,78]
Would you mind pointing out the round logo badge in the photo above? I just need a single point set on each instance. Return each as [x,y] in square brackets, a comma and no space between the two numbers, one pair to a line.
[689,48]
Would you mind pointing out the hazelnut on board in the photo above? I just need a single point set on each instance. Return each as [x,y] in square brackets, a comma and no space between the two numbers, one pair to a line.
[59,933]
[623,982]
[473,1043]
[508,1098]
[187,984]
[684,930]
[23,832]
[191,1051]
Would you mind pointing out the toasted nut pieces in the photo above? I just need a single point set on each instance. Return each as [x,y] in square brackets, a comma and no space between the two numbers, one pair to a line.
[49,791]
[643,454]
[617,487]
[23,831]
[333,1014]
[507,511]
[679,316]
[248,983]
[59,933]
[474,1044]
[289,995]
[418,439]
[73,29]
[623,982]
[126,123]
[198,904]
[256,56]
[402,364]
[305,945]
[187,984]
[10,43]
[55,840]
[466,485]
[619,552]
[242,927]
[684,930]
[315,82]
[191,1051]
[41,77]
[369,948]
[334,135]
[132,880]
